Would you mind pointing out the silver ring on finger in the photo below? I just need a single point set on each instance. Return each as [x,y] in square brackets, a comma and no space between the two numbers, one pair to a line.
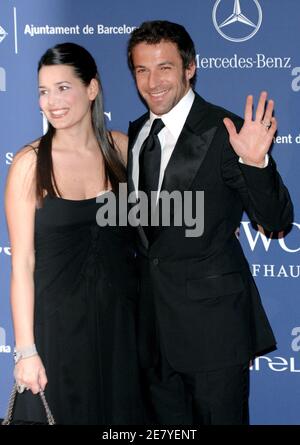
[266,124]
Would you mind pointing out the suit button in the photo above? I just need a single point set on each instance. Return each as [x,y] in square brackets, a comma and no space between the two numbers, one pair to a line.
[155,261]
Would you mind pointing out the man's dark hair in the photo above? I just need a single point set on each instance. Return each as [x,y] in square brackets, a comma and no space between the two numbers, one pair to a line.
[153,32]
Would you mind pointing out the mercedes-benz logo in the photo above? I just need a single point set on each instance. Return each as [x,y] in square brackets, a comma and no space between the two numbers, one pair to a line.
[241,27]
[3,34]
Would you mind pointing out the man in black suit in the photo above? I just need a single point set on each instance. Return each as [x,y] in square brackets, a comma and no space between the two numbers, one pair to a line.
[201,320]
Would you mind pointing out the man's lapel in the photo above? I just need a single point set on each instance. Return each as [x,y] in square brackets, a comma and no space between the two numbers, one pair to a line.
[133,132]
[190,149]
[188,154]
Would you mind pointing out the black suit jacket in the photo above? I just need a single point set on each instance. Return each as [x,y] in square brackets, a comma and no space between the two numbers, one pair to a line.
[198,299]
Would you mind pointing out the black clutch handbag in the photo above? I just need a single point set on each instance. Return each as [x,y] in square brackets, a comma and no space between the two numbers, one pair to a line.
[8,419]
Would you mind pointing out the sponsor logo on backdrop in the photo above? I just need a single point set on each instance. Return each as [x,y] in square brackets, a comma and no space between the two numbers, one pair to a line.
[99,29]
[296,80]
[257,61]
[278,363]
[237,20]
[286,139]
[2,79]
[3,34]
[284,243]
[9,157]
[276,271]
[5,250]
[4,348]
[295,345]
[44,123]
[289,243]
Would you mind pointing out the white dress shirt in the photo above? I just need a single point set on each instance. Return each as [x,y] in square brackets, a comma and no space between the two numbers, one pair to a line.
[174,121]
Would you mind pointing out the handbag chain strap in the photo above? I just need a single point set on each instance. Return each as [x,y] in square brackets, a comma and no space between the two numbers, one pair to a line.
[8,418]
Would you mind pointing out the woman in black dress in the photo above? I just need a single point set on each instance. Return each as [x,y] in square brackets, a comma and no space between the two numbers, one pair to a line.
[74,283]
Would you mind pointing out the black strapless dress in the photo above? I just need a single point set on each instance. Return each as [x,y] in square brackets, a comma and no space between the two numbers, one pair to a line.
[86,291]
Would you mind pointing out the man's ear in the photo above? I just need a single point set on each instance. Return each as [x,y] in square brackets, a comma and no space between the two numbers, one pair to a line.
[93,89]
[190,71]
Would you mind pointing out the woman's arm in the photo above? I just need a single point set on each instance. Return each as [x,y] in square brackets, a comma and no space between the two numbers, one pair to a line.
[20,204]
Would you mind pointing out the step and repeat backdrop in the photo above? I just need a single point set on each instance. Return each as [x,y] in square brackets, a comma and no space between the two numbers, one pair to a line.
[243,47]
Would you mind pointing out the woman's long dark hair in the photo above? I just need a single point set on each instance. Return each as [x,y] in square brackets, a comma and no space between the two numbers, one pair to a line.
[85,69]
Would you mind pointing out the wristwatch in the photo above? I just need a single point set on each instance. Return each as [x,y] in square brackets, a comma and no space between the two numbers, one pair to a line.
[28,351]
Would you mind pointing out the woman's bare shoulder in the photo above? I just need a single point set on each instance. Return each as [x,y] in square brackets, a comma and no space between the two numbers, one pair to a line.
[22,171]
[27,154]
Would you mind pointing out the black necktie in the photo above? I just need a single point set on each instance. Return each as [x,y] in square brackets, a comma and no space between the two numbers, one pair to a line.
[149,161]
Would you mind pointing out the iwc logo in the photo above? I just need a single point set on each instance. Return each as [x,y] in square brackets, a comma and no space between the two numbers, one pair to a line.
[237,20]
